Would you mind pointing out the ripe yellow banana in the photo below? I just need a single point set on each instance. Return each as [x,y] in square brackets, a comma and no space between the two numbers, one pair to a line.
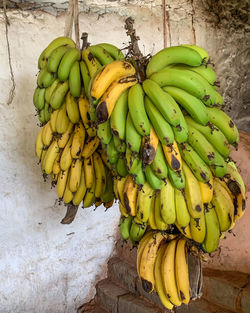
[75,174]
[198,228]
[141,247]
[47,134]
[72,108]
[143,205]
[182,214]
[123,210]
[66,158]
[56,166]
[62,120]
[63,139]
[149,147]
[151,218]
[207,189]
[173,156]
[50,157]
[68,194]
[83,105]
[130,195]
[90,146]
[78,141]
[167,202]
[120,190]
[100,175]
[89,197]
[184,230]
[89,171]
[160,223]
[61,182]
[80,193]
[39,144]
[53,119]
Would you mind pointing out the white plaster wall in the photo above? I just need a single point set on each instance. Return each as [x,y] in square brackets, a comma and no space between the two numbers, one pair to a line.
[46,266]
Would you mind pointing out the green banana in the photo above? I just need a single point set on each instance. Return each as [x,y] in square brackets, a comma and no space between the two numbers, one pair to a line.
[207,152]
[85,77]
[195,162]
[168,212]
[187,80]
[159,166]
[47,112]
[133,138]
[182,214]
[140,178]
[50,90]
[213,135]
[101,54]
[112,153]
[212,238]
[41,117]
[45,78]
[177,178]
[137,231]
[56,57]
[42,61]
[120,145]
[132,161]
[202,52]
[161,126]
[113,51]
[224,123]
[91,62]
[69,58]
[178,54]
[119,115]
[164,103]
[59,94]
[137,110]
[39,98]
[108,194]
[125,225]
[104,132]
[194,106]
[153,180]
[75,84]
[121,167]
[59,41]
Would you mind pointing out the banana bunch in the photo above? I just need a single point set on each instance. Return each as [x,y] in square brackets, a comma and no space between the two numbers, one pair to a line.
[162,266]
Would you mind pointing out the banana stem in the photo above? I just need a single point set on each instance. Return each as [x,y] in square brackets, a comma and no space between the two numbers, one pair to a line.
[70,214]
[85,42]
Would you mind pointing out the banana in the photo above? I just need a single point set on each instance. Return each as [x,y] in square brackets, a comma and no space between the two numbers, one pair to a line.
[173,156]
[233,179]
[50,157]
[137,110]
[185,231]
[137,231]
[159,222]
[91,62]
[198,228]
[59,41]
[53,119]
[104,132]
[213,135]
[192,193]
[212,238]
[66,157]
[239,206]
[100,175]
[125,225]
[110,73]
[112,153]
[168,273]
[50,89]
[143,205]
[89,172]
[181,271]
[69,58]
[84,109]
[90,146]
[58,95]
[119,116]
[147,262]
[56,166]
[101,54]
[130,195]
[122,210]
[194,106]
[167,202]
[54,178]
[178,54]
[207,152]
[78,141]
[188,81]
[85,77]
[39,98]
[81,190]
[202,52]
[161,126]
[150,147]
[139,177]
[41,117]
[43,155]
[195,163]
[47,134]
[61,182]
[133,138]
[119,144]
[164,103]
[108,196]
[120,190]
[158,165]
[177,178]
[207,190]
[42,61]
[108,204]
[45,78]
[223,206]
[89,197]
[75,84]
[62,120]
[56,57]
[47,112]
[75,175]
[182,214]
[151,218]
[225,124]
[159,287]
[152,179]
[68,194]
[72,108]
[110,96]
[121,167]
[133,162]
[63,139]
[141,247]
[112,50]
[39,143]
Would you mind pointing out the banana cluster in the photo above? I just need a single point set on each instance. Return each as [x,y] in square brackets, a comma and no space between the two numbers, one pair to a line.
[162,265]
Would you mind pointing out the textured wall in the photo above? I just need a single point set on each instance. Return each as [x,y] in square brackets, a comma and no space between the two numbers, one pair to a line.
[44,267]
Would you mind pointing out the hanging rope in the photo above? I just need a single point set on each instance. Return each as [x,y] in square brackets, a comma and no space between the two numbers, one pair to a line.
[7,23]
[76,24]
[69,19]
[164,26]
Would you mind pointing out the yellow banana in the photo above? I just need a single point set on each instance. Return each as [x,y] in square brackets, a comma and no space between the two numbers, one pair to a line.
[123,210]
[130,195]
[63,139]
[100,175]
[43,155]
[80,193]
[167,202]
[141,247]
[207,190]
[56,166]
[62,120]
[160,223]
[72,108]
[198,228]
[168,273]
[68,194]
[184,230]
[181,271]
[143,205]
[75,174]
[47,134]
[53,119]
[182,214]
[90,146]
[149,147]
[240,206]
[173,156]
[89,171]
[39,144]
[50,157]
[66,158]
[89,197]
[83,105]
[78,141]
[61,182]
[151,218]
[120,190]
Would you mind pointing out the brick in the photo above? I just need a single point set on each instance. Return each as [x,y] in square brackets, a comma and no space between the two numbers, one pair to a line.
[131,304]
[201,306]
[108,293]
[222,288]
[123,273]
[245,299]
